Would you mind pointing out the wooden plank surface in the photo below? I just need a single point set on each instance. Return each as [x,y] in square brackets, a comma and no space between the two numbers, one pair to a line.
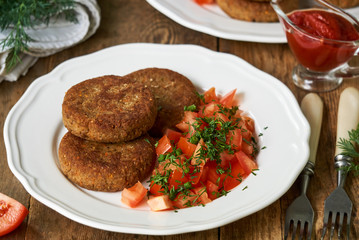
[126,21]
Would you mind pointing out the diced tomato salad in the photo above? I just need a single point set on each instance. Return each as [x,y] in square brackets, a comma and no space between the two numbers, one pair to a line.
[212,150]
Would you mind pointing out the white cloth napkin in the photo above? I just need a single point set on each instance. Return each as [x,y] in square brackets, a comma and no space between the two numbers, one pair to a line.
[52,38]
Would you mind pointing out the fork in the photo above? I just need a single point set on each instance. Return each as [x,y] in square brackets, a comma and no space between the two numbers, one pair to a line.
[338,205]
[300,212]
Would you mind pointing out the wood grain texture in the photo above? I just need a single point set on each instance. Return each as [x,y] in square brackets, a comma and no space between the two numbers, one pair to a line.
[126,21]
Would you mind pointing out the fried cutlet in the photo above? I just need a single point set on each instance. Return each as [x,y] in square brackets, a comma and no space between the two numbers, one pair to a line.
[109,109]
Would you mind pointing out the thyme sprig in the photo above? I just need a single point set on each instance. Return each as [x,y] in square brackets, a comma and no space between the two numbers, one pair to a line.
[17,15]
[349,148]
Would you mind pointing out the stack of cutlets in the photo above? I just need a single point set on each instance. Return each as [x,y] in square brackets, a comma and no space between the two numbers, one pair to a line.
[110,121]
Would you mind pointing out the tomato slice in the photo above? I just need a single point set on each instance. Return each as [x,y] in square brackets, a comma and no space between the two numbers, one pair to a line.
[186,147]
[159,203]
[212,190]
[186,124]
[133,196]
[246,162]
[210,94]
[235,178]
[202,195]
[227,100]
[183,201]
[173,135]
[156,189]
[176,179]
[235,139]
[12,213]
[164,145]
[210,109]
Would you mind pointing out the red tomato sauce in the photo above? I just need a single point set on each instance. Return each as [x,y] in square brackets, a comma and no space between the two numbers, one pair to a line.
[320,53]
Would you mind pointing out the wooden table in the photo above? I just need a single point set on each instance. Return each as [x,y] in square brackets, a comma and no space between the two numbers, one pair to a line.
[126,21]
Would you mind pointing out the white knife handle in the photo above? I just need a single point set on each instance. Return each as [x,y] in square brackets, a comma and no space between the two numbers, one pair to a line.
[348,114]
[312,107]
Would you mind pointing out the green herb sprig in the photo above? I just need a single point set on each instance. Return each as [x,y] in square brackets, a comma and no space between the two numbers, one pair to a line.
[17,15]
[349,148]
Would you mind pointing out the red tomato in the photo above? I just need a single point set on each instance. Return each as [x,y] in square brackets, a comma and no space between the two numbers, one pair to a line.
[176,179]
[225,159]
[210,109]
[212,190]
[156,189]
[246,162]
[204,1]
[186,124]
[173,135]
[164,145]
[235,178]
[202,195]
[159,203]
[235,139]
[186,147]
[249,122]
[183,201]
[227,100]
[12,213]
[133,196]
[210,94]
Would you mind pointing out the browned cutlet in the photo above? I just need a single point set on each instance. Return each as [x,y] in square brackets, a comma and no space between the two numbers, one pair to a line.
[109,109]
[107,167]
[172,91]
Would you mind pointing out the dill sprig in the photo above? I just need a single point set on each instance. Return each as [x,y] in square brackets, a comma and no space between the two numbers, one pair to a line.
[17,15]
[349,148]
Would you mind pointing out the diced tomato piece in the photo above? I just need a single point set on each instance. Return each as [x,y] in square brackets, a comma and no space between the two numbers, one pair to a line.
[156,189]
[186,124]
[210,94]
[202,195]
[12,213]
[164,145]
[133,196]
[214,177]
[249,122]
[159,203]
[247,148]
[234,138]
[196,160]
[227,100]
[200,2]
[210,109]
[176,179]
[235,178]
[173,135]
[226,158]
[246,162]
[186,147]
[222,117]
[212,190]
[183,201]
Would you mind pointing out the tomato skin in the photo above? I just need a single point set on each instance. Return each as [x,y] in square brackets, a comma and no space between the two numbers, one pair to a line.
[235,178]
[246,162]
[159,203]
[227,100]
[176,179]
[212,190]
[133,196]
[173,135]
[210,95]
[12,214]
[186,147]
[164,146]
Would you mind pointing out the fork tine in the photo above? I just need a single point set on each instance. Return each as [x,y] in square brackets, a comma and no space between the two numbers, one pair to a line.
[334,218]
[286,228]
[340,224]
[309,232]
[294,232]
[302,228]
[325,224]
[348,226]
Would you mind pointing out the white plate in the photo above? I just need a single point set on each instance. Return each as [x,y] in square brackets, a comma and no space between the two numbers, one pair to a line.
[212,20]
[33,130]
